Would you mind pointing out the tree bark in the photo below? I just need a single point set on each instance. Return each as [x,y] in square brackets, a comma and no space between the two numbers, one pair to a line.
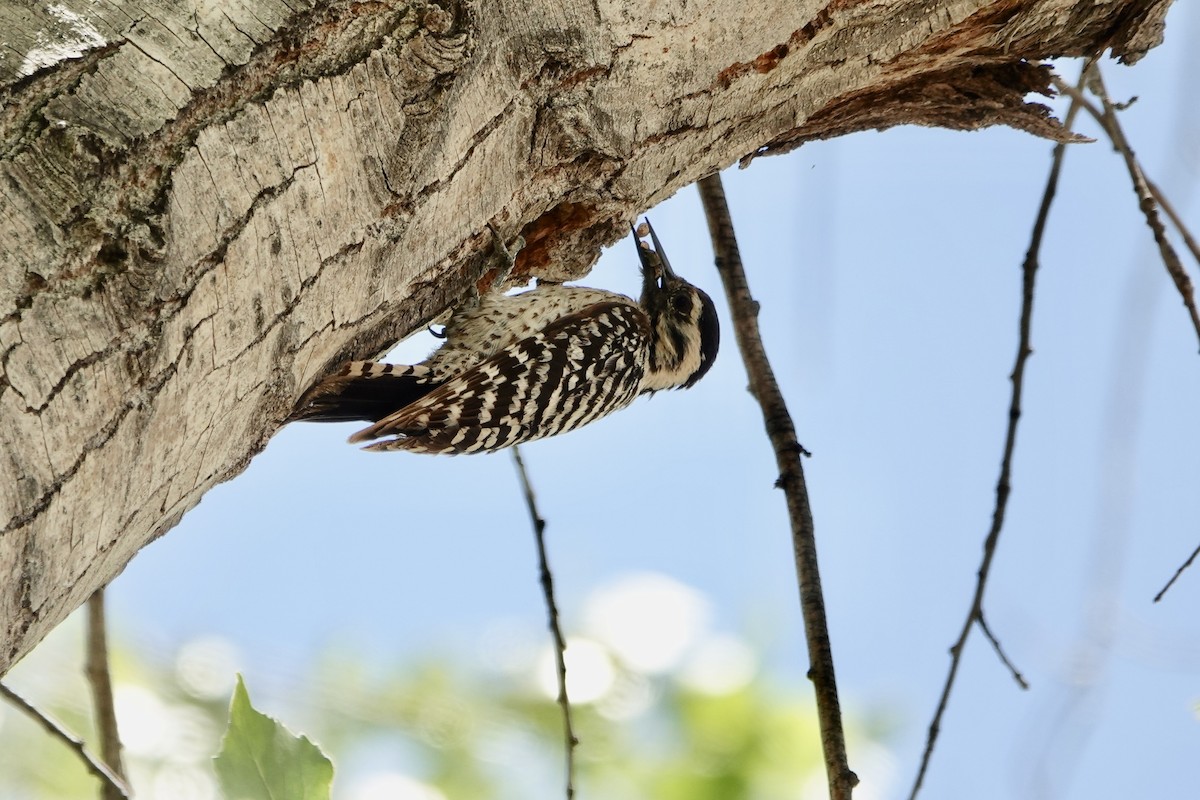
[205,206]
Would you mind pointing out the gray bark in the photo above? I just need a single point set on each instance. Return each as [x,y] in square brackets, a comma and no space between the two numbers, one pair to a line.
[205,205]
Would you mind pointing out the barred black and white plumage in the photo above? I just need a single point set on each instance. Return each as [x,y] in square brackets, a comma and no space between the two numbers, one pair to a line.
[515,368]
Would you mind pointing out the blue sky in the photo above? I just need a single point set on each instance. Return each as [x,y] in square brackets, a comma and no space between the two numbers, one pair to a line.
[888,267]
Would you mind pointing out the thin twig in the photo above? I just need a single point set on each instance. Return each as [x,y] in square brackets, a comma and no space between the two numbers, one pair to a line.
[102,695]
[560,643]
[1004,659]
[1003,484]
[788,451]
[56,729]
[1148,194]
[1176,220]
[1178,572]
[1141,187]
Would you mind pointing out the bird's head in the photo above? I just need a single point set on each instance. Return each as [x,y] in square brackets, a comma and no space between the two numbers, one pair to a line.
[684,331]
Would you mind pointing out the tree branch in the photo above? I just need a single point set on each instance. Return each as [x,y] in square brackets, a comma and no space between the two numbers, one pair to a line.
[1003,485]
[100,682]
[1178,572]
[1148,194]
[560,643]
[111,781]
[1169,209]
[1000,654]
[1141,186]
[782,433]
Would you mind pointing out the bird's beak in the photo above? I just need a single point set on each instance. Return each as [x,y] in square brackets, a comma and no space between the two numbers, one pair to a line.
[667,272]
[655,265]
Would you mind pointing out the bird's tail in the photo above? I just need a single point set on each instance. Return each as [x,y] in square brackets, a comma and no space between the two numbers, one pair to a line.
[364,391]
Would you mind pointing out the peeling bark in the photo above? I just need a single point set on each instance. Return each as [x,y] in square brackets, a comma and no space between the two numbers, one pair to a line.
[205,206]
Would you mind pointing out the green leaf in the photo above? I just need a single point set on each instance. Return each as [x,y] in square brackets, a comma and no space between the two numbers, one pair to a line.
[262,760]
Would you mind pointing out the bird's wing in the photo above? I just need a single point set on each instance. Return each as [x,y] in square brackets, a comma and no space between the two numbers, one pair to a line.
[577,369]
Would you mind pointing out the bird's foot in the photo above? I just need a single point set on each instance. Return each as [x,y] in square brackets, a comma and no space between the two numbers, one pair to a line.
[506,254]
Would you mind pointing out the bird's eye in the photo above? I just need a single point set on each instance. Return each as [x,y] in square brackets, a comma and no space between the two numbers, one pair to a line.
[682,303]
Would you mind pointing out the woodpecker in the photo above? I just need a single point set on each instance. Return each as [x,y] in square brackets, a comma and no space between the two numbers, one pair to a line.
[515,368]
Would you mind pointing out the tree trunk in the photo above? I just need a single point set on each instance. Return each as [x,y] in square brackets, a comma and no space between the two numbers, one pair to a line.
[207,205]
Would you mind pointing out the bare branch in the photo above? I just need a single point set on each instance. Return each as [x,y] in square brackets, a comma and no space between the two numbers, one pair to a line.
[56,729]
[1141,187]
[102,695]
[1004,659]
[560,643]
[1003,484]
[1178,572]
[782,434]
[1148,194]
[1176,220]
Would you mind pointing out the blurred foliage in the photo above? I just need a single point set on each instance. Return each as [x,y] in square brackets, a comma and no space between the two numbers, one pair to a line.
[427,731]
